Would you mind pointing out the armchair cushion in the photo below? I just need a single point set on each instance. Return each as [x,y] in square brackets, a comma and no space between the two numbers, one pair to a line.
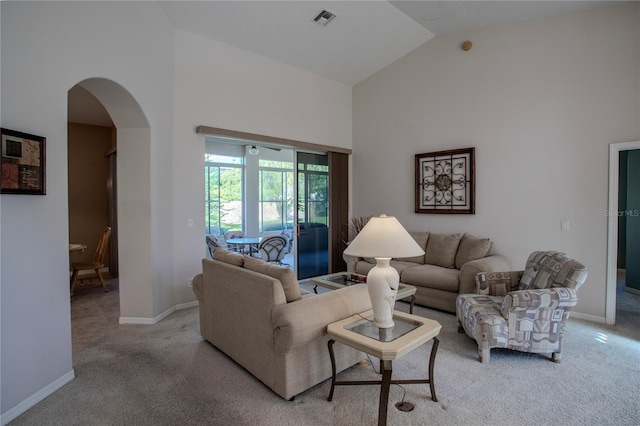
[532,303]
[547,269]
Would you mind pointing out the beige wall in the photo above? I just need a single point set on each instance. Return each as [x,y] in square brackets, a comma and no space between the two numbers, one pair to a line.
[88,203]
[540,101]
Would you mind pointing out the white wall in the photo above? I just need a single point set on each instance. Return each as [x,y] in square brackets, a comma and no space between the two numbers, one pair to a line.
[47,48]
[220,86]
[540,101]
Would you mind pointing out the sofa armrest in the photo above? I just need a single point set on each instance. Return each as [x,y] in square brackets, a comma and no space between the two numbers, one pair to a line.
[297,323]
[197,282]
[498,283]
[351,262]
[469,270]
[554,298]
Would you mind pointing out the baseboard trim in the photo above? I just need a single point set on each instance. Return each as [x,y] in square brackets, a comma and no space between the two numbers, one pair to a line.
[187,305]
[588,317]
[25,405]
[156,319]
[631,290]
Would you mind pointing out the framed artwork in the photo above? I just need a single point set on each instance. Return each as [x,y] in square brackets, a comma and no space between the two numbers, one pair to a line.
[23,163]
[446,182]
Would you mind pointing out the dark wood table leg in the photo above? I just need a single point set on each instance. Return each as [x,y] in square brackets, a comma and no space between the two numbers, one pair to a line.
[333,368]
[432,360]
[413,300]
[384,392]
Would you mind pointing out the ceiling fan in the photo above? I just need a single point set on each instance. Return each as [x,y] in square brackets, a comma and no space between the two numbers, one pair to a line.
[254,149]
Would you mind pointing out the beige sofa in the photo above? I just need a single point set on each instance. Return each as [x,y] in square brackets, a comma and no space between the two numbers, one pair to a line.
[448,267]
[256,314]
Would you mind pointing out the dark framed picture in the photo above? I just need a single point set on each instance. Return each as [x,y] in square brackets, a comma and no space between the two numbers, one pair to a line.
[23,163]
[446,182]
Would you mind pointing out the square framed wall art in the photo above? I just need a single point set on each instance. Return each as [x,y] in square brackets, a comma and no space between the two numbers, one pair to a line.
[446,182]
[23,163]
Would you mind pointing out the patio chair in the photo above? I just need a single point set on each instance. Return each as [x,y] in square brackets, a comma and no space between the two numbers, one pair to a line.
[272,249]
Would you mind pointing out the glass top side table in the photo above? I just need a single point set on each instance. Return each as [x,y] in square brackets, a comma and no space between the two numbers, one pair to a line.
[408,333]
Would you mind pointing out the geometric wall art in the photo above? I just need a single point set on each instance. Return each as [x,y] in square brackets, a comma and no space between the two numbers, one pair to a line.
[445,182]
[23,163]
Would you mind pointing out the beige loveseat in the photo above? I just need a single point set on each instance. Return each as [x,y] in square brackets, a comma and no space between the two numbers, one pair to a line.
[256,314]
[448,267]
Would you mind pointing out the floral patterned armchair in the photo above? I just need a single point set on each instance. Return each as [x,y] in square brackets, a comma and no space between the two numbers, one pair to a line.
[523,310]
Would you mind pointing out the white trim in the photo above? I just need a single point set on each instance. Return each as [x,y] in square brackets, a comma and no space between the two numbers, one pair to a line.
[612,227]
[187,305]
[147,321]
[587,317]
[157,319]
[28,403]
[631,290]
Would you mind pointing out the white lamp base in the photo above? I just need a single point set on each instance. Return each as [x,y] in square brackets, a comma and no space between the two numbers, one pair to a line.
[382,283]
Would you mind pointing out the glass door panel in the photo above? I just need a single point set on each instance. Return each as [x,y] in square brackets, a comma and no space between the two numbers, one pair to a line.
[313,215]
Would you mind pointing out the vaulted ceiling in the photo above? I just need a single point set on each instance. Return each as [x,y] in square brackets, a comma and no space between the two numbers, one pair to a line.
[364,37]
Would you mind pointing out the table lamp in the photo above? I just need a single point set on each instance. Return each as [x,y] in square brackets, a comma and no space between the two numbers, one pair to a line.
[383,238]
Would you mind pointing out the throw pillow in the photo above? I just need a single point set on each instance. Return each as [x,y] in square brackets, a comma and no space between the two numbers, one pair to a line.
[421,238]
[441,250]
[471,248]
[227,257]
[286,276]
[494,284]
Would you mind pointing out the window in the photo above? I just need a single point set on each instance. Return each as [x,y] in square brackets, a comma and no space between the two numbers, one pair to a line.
[223,193]
[313,184]
[276,195]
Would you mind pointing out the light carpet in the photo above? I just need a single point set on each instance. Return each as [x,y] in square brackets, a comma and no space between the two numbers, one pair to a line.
[165,374]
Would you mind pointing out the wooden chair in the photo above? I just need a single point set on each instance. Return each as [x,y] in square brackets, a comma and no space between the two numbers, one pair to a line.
[96,264]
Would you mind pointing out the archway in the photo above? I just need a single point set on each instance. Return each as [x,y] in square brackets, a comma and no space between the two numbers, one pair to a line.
[133,196]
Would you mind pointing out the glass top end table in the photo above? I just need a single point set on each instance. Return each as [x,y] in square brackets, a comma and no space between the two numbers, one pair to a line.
[345,279]
[366,328]
[408,333]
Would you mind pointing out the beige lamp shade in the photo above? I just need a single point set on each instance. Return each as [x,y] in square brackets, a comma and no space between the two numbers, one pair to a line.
[383,236]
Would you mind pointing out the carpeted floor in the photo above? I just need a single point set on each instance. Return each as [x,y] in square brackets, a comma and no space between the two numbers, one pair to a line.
[165,374]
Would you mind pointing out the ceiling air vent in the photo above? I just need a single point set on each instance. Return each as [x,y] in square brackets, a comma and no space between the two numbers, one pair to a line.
[324,17]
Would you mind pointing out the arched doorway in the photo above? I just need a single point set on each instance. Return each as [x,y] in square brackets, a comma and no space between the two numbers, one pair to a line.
[133,195]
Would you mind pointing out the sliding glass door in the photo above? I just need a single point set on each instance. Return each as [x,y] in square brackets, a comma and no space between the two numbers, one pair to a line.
[313,215]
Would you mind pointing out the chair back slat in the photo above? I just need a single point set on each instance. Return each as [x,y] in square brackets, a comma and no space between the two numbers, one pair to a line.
[98,257]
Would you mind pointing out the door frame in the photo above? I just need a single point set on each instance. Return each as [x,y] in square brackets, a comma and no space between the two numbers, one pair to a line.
[612,226]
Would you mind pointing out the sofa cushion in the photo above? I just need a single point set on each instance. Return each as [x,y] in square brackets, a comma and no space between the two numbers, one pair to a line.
[471,248]
[227,257]
[401,266]
[432,276]
[441,249]
[285,275]
[421,238]
[363,267]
